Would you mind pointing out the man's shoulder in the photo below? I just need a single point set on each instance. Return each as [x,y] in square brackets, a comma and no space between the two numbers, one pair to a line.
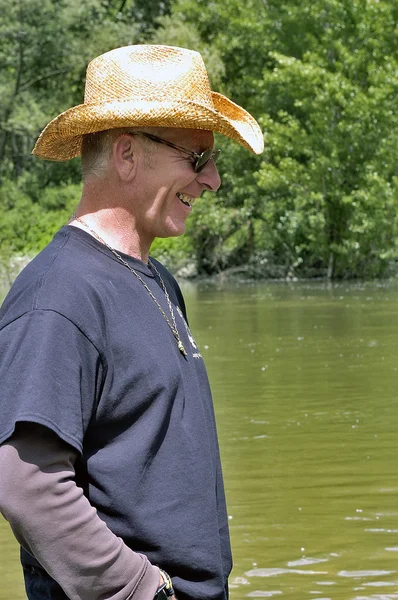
[164,272]
[53,280]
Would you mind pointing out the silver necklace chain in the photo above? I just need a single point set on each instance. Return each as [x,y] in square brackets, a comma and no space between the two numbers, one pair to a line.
[173,324]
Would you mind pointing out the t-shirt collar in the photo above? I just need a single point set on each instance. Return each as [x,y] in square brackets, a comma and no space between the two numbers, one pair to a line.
[135,263]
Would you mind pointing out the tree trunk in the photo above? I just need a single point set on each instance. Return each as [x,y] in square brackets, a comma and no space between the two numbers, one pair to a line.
[330,271]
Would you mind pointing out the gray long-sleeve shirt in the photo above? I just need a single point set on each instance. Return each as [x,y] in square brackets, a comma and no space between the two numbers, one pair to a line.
[54,521]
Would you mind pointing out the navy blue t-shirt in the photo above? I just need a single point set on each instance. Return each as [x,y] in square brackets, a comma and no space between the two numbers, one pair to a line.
[85,351]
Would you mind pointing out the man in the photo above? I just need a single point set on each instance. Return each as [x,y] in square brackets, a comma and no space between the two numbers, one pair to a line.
[109,464]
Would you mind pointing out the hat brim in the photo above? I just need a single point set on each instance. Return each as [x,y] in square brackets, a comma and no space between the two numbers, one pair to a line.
[62,138]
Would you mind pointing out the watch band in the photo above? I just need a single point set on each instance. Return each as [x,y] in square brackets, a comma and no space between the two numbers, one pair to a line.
[166,590]
[161,594]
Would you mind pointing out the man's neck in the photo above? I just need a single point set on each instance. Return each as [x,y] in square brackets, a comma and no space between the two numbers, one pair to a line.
[113,230]
[105,211]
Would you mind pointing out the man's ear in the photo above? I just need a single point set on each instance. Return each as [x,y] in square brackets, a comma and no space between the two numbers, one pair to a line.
[125,156]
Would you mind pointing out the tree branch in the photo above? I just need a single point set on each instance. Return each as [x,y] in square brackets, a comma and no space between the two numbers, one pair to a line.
[37,79]
[121,7]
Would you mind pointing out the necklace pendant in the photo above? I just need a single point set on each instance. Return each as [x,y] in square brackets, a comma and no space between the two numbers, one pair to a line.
[181,348]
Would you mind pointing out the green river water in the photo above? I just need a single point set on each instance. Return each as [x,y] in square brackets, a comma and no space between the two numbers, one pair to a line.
[305,380]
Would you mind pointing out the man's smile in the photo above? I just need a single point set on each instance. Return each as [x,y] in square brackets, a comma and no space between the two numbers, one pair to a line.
[185,199]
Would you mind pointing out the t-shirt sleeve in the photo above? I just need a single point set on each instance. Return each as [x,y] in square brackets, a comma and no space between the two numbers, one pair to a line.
[50,374]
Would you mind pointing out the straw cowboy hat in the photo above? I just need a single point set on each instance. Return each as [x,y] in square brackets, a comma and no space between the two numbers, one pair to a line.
[145,85]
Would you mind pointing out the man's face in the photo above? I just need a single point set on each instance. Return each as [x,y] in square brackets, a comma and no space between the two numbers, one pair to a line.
[168,185]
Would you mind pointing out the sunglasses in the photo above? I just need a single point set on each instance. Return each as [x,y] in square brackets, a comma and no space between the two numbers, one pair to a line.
[199,160]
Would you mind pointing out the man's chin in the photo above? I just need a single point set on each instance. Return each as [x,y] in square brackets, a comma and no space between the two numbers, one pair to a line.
[173,230]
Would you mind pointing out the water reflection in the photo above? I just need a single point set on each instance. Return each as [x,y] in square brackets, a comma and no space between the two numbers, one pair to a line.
[305,385]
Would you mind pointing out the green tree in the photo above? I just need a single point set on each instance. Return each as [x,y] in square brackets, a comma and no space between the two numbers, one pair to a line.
[321,78]
[44,49]
[331,122]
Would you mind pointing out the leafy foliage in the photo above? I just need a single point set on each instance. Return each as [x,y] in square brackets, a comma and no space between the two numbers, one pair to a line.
[321,78]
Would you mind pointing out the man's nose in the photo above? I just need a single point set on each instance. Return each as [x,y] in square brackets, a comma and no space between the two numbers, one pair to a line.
[209,178]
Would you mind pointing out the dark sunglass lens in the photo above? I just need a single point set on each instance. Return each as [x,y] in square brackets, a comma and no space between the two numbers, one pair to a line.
[204,159]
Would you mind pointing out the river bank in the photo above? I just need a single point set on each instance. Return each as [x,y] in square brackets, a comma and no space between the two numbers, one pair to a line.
[257,271]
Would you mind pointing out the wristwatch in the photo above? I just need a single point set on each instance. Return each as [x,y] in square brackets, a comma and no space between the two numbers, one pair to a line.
[166,590]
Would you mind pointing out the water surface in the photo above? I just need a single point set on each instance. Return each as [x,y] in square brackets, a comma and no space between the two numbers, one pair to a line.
[304,378]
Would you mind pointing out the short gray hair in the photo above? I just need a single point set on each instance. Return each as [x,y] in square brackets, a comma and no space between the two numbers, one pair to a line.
[97,147]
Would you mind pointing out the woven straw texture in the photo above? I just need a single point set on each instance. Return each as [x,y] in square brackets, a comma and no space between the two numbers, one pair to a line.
[158,86]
